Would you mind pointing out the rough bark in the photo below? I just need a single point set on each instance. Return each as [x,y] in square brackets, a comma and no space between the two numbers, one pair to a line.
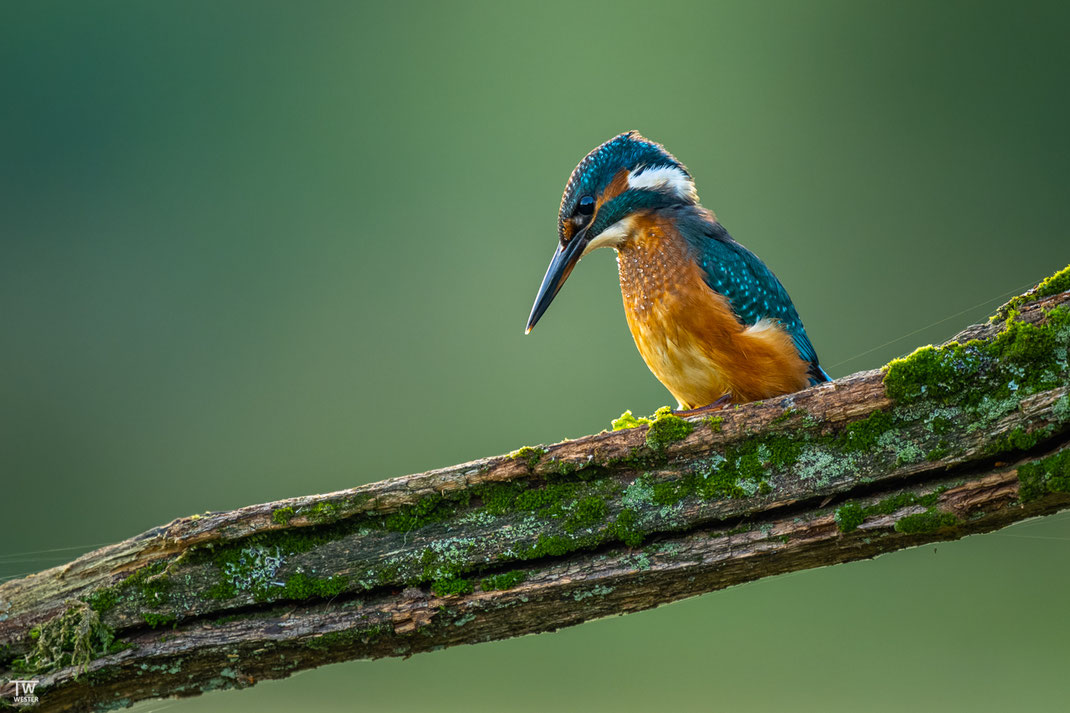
[553,536]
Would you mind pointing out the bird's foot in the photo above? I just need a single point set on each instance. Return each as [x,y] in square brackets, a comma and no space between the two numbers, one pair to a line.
[715,406]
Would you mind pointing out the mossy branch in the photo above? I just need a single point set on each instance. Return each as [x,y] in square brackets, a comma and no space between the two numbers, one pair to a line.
[953,440]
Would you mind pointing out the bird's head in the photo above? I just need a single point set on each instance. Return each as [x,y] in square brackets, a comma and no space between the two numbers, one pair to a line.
[626,176]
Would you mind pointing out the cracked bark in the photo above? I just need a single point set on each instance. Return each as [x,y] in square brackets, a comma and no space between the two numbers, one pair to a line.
[617,527]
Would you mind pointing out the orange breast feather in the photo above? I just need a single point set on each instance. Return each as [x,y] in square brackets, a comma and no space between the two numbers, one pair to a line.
[687,333]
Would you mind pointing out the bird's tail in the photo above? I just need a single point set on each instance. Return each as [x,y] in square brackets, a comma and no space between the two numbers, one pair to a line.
[817,374]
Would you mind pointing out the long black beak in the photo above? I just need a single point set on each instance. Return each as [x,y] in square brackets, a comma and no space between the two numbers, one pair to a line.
[564,259]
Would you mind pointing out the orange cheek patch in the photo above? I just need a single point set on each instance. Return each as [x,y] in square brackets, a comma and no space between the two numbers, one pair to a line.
[618,185]
[652,231]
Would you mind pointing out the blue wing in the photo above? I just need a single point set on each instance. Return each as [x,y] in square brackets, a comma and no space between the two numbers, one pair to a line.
[751,288]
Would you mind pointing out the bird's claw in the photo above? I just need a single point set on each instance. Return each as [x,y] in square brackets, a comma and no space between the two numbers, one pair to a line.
[715,406]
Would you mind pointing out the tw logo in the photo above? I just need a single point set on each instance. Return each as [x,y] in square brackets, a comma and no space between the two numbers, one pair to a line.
[24,695]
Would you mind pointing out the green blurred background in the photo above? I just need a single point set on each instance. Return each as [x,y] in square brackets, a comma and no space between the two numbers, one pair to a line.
[263,249]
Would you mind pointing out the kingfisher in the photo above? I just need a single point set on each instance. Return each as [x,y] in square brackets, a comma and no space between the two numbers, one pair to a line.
[711,321]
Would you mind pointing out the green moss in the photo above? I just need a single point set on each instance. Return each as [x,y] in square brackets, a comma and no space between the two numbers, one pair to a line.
[563,467]
[626,528]
[756,456]
[865,435]
[427,510]
[452,586]
[939,452]
[1018,439]
[742,471]
[73,638]
[548,501]
[716,423]
[939,424]
[1023,358]
[322,512]
[587,513]
[301,586]
[330,640]
[508,580]
[551,546]
[250,566]
[150,583]
[664,427]
[670,492]
[282,516]
[943,374]
[667,428]
[849,516]
[349,637]
[146,587]
[157,620]
[498,498]
[103,599]
[929,521]
[529,454]
[1049,475]
[1059,282]
[902,500]
[627,420]
[750,461]
[577,505]
[1023,342]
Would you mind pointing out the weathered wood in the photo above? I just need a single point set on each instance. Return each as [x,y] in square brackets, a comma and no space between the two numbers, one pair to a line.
[549,537]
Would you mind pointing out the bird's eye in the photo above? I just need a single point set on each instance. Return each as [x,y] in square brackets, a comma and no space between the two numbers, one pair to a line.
[585,206]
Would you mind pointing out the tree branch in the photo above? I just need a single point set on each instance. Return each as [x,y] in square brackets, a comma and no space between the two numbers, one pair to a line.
[964,438]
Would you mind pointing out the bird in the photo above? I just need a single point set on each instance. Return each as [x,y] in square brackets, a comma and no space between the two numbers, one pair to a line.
[710,319]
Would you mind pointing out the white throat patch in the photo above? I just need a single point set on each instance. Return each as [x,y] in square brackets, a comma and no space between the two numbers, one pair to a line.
[613,236]
[663,178]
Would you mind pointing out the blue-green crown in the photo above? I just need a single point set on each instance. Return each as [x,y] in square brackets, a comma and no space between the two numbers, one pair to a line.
[625,151]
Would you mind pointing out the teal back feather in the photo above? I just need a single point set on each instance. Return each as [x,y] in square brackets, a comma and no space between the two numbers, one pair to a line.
[751,288]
